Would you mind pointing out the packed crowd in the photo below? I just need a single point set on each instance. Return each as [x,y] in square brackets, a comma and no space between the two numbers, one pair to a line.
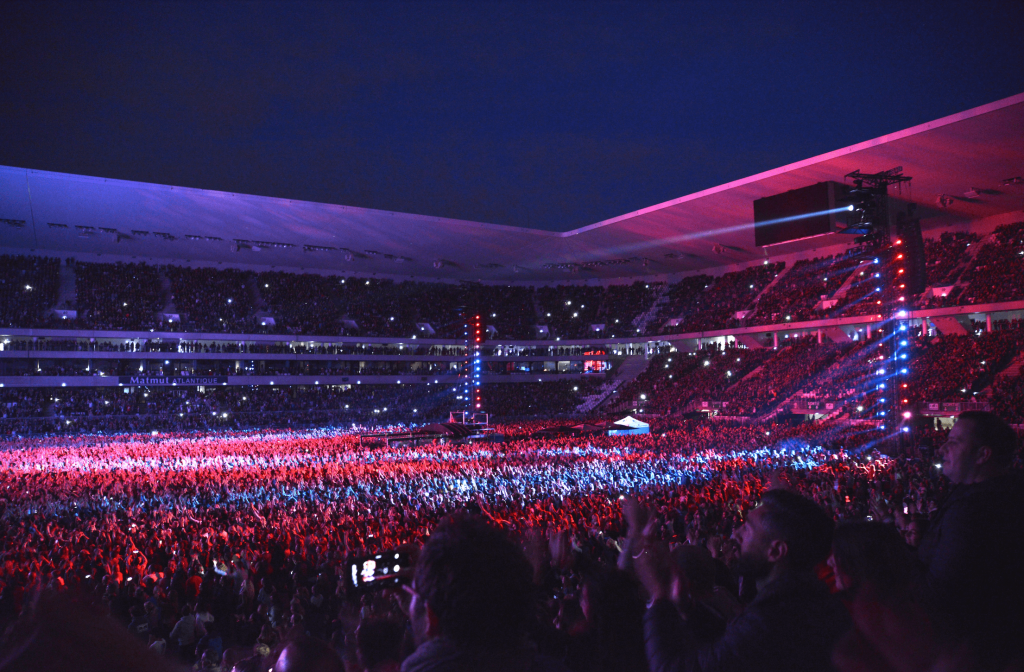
[511,310]
[129,296]
[28,288]
[232,551]
[71,411]
[949,368]
[797,295]
[227,367]
[92,344]
[330,305]
[997,273]
[1008,396]
[682,298]
[118,296]
[870,288]
[750,382]
[940,368]
[849,375]
[791,369]
[716,306]
[673,380]
[212,300]
[525,400]
[946,256]
[573,311]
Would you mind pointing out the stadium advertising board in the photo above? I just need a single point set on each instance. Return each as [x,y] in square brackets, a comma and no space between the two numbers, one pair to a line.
[172,380]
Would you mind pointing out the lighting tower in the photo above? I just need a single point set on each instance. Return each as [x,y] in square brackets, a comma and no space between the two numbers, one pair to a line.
[477,333]
[468,396]
[870,220]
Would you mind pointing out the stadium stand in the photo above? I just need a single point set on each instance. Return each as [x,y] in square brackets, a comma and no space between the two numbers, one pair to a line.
[998,271]
[118,296]
[796,297]
[212,300]
[28,289]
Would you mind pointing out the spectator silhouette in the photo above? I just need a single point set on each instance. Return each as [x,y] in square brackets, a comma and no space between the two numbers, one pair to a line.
[379,645]
[875,553]
[472,602]
[793,622]
[973,549]
[306,654]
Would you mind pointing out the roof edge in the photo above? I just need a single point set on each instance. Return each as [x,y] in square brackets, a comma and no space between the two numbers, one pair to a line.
[881,140]
[255,197]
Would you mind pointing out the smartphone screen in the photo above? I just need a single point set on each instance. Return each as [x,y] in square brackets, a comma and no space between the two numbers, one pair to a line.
[379,570]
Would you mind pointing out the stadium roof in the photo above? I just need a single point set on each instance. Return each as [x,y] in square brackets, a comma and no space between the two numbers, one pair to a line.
[970,158]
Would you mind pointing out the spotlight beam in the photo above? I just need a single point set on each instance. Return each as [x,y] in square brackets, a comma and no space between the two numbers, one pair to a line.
[620,250]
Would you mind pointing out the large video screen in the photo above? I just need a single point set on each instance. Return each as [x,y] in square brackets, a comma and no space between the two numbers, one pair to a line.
[780,218]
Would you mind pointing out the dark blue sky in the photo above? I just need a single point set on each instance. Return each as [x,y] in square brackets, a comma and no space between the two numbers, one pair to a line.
[543,115]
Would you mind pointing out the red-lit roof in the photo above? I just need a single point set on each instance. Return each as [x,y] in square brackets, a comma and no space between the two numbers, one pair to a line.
[71,214]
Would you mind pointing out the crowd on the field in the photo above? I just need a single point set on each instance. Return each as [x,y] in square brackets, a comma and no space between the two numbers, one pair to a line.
[233,551]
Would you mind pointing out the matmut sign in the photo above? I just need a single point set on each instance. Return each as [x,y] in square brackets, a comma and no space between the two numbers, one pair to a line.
[172,380]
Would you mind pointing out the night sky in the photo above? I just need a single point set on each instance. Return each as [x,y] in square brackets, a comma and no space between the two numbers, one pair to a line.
[543,115]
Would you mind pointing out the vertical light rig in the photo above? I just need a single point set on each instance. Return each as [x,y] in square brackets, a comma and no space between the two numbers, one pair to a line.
[901,344]
[465,384]
[478,335]
[870,193]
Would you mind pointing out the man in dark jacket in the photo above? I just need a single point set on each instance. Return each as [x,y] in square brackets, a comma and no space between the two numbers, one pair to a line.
[791,625]
[472,600]
[974,548]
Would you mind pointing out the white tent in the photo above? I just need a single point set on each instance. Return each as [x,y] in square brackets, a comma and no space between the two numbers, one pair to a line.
[629,425]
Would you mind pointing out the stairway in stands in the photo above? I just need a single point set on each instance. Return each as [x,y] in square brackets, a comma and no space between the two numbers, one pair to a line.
[840,293]
[167,296]
[960,285]
[630,368]
[1014,368]
[641,321]
[757,299]
[67,292]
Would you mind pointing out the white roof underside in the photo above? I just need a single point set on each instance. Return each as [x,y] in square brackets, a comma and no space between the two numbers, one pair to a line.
[977,149]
